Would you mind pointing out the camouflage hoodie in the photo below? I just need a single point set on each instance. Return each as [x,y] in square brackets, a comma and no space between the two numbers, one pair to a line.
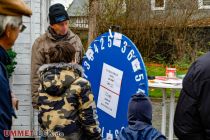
[66,103]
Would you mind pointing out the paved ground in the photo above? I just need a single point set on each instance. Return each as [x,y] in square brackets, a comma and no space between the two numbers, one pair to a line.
[157,114]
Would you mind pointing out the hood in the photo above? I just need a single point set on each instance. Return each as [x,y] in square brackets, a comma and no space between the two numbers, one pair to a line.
[139,111]
[56,78]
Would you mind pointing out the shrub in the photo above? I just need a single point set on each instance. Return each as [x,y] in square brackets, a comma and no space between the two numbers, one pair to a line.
[11,67]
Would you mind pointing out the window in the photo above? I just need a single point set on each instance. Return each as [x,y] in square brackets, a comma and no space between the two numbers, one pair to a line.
[158,4]
[204,4]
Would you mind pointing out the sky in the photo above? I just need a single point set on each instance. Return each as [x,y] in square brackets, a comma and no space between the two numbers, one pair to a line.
[64,2]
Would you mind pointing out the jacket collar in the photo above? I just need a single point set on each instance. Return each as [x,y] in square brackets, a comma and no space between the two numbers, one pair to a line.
[139,125]
[52,35]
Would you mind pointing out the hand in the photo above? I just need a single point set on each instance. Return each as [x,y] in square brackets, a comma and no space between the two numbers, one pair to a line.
[35,106]
[15,101]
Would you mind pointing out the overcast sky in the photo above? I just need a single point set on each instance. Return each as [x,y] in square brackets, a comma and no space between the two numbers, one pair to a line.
[64,2]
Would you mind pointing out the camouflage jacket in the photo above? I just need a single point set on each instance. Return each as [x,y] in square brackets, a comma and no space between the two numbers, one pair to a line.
[66,103]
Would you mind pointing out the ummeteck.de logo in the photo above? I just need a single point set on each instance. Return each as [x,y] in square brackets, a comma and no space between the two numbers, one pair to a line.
[31,133]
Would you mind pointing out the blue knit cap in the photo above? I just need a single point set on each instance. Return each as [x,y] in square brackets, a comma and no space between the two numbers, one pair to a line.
[57,14]
[139,109]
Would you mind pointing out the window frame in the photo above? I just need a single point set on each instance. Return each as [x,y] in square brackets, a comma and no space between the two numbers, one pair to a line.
[202,6]
[154,8]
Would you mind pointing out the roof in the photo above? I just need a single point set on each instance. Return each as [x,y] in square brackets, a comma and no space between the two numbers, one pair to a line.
[78,8]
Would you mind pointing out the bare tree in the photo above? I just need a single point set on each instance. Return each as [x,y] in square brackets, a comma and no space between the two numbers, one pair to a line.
[93,11]
[169,33]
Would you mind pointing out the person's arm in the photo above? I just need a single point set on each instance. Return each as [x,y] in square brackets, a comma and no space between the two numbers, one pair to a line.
[187,121]
[204,109]
[15,101]
[88,115]
[37,59]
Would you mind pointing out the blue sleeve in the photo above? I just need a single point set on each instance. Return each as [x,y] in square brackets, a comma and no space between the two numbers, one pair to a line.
[6,110]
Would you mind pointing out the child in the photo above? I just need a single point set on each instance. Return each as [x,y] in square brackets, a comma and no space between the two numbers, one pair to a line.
[66,103]
[140,120]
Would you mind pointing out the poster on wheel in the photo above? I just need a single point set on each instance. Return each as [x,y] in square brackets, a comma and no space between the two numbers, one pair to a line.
[116,70]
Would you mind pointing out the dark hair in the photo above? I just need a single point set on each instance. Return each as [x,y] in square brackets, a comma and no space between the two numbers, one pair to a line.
[62,52]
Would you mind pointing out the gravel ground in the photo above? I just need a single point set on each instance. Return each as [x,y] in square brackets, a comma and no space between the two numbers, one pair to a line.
[157,115]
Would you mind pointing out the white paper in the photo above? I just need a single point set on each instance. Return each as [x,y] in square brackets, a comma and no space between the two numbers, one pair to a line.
[169,81]
[109,90]
[136,65]
[117,39]
[109,136]
[89,54]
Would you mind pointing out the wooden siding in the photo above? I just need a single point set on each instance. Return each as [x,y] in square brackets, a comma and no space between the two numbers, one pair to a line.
[20,81]
[206,2]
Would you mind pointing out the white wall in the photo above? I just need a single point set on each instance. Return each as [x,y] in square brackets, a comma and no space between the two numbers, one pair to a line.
[21,79]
